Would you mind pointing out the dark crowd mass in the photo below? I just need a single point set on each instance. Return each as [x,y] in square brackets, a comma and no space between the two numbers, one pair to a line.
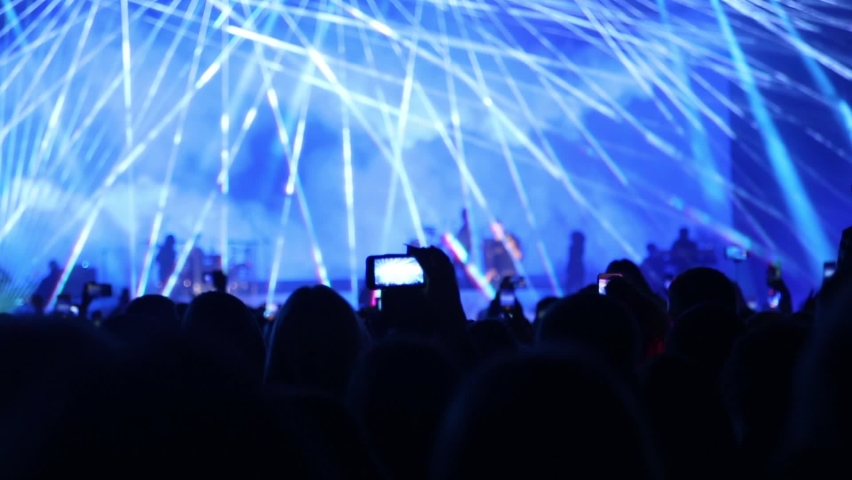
[615,380]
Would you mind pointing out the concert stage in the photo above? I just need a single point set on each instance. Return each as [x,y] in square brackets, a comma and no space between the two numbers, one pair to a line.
[317,155]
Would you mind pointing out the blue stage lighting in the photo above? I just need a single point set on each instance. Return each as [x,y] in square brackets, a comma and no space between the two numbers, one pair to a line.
[291,139]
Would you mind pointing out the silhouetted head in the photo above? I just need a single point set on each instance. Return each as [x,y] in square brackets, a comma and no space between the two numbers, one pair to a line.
[545,415]
[146,315]
[464,215]
[705,335]
[154,307]
[650,314]
[224,319]
[315,341]
[53,266]
[683,234]
[652,249]
[701,285]
[399,394]
[543,305]
[577,237]
[630,272]
[597,322]
[170,241]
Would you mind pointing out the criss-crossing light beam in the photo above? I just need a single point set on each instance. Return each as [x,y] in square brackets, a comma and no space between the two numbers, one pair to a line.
[102,101]
[177,139]
[804,215]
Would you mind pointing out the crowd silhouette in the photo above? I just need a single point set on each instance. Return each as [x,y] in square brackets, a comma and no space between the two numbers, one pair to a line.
[687,384]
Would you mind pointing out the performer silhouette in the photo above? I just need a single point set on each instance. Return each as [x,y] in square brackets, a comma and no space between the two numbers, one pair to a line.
[576,264]
[465,237]
[684,252]
[48,284]
[501,254]
[167,260]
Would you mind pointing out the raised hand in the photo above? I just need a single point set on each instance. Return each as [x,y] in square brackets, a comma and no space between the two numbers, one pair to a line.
[441,287]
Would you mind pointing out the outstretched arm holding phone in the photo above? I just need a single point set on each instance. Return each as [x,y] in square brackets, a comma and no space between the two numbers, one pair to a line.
[505,306]
[778,287]
[429,304]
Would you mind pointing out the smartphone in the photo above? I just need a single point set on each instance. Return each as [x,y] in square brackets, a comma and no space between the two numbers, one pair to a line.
[507,300]
[270,311]
[735,253]
[774,300]
[208,278]
[828,269]
[667,282]
[376,299]
[603,281]
[393,271]
[99,290]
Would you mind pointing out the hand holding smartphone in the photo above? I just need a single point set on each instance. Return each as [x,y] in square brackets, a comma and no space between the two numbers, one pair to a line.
[507,300]
[508,286]
[604,279]
[774,300]
[828,270]
[393,271]
[270,311]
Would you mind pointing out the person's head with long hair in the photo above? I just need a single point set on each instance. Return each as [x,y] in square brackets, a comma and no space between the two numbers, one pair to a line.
[630,272]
